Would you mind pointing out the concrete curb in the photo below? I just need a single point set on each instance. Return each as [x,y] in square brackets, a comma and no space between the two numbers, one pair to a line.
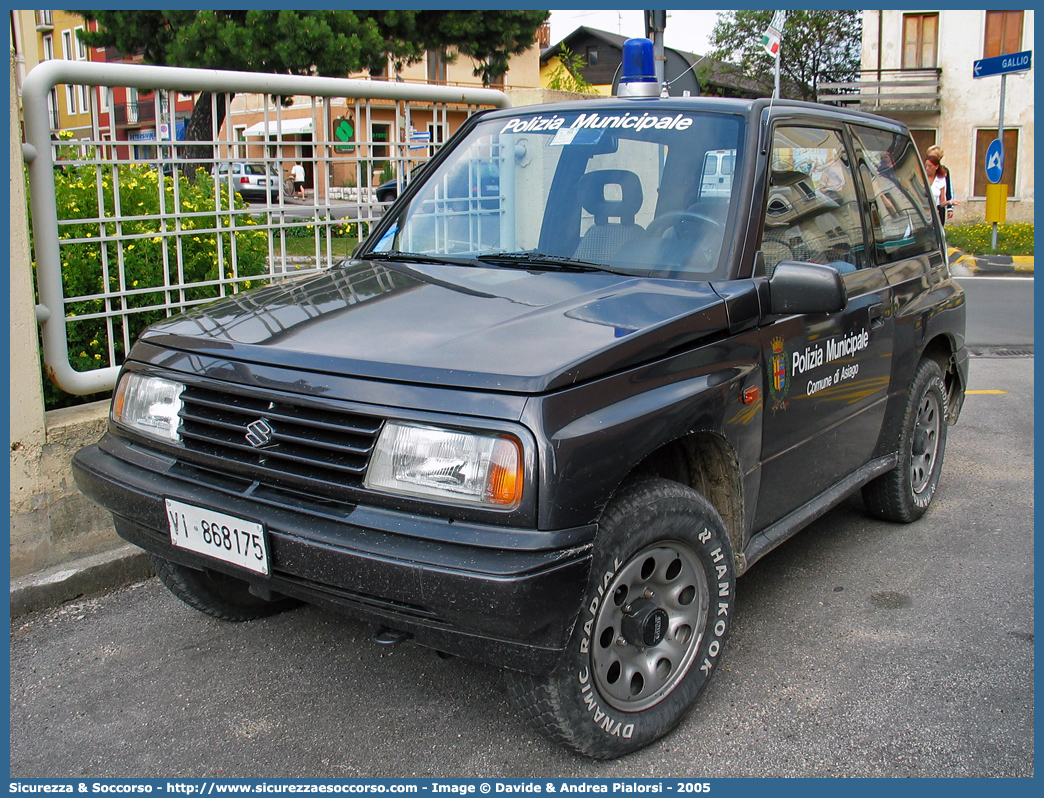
[89,576]
[991,264]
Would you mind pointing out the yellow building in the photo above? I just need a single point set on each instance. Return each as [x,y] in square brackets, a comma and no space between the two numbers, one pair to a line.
[24,45]
[41,35]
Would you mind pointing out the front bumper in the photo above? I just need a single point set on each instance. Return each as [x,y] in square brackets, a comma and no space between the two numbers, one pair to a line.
[509,608]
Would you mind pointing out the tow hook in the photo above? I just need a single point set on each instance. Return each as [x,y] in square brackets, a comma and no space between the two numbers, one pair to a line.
[383,636]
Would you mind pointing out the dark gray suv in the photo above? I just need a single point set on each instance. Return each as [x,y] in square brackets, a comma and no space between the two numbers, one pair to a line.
[565,394]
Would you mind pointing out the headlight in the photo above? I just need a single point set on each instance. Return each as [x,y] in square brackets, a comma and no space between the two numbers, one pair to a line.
[461,467]
[149,406]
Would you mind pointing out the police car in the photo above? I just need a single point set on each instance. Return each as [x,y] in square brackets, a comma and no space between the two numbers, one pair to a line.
[566,393]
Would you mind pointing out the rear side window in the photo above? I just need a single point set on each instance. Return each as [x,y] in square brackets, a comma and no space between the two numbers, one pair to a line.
[902,214]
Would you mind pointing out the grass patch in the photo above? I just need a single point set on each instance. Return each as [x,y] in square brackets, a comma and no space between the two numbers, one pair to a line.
[1014,238]
[305,247]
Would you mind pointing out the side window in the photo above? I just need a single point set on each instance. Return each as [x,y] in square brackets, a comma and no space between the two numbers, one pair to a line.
[812,212]
[902,213]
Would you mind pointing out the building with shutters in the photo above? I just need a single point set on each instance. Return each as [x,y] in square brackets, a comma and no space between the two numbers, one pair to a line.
[917,68]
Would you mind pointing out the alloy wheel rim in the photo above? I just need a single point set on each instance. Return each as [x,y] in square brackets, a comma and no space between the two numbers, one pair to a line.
[662,584]
[925,442]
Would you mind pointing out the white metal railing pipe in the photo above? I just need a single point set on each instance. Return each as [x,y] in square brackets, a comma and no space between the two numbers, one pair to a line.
[38,155]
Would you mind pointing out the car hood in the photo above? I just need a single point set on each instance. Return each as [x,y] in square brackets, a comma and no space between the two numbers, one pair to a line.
[499,329]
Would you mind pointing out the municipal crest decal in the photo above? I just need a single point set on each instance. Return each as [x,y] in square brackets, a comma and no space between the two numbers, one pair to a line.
[779,377]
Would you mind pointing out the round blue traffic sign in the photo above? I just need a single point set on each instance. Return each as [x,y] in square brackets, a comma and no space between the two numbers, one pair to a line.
[995,161]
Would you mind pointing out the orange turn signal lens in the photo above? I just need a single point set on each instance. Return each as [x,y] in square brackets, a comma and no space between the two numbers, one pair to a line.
[504,483]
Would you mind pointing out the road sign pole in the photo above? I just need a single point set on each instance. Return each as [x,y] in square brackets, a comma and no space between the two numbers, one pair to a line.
[1001,65]
[1000,137]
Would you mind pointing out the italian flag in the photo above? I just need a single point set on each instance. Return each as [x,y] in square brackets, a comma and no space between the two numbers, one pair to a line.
[773,33]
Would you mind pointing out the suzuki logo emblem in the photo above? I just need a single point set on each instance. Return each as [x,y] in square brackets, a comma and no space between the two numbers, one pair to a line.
[259,433]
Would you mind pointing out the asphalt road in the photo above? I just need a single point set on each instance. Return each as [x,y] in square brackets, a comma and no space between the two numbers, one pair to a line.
[1000,311]
[859,648]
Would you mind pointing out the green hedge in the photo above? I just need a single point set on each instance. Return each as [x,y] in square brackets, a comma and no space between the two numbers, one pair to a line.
[1015,238]
[145,265]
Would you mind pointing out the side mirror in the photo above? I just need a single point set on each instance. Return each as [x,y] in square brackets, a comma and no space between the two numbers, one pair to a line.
[812,288]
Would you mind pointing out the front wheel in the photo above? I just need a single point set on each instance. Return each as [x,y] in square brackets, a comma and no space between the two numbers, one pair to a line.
[216,594]
[651,628]
[904,493]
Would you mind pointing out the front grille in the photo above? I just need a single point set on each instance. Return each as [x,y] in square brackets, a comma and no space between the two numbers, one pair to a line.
[317,448]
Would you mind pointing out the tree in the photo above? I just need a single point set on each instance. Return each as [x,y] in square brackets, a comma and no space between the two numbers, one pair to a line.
[329,43]
[567,76]
[490,38]
[817,46]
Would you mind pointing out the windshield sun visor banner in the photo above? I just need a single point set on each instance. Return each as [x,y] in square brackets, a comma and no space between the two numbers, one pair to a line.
[594,121]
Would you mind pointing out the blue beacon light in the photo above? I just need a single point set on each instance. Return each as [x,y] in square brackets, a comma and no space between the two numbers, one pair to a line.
[638,75]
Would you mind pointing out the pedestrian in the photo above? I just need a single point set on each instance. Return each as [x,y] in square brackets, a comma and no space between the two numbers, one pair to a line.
[297,174]
[937,183]
[936,150]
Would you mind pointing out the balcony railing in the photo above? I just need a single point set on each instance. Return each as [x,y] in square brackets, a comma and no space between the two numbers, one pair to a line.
[132,113]
[887,91]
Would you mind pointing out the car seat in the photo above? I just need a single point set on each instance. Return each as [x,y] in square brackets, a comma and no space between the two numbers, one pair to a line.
[603,240]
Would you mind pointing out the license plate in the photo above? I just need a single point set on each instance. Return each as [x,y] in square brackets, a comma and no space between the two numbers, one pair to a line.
[262,182]
[218,535]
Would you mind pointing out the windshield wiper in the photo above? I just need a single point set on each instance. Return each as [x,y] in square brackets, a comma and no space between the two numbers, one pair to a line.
[414,257]
[525,259]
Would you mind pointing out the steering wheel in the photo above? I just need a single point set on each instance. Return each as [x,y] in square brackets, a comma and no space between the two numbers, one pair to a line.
[674,219]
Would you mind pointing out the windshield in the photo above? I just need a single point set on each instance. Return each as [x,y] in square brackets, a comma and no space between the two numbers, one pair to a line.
[624,189]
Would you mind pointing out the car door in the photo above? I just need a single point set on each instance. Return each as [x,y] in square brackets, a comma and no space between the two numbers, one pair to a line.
[826,375]
[907,241]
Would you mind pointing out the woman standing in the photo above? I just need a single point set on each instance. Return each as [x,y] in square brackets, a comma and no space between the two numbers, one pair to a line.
[936,150]
[937,184]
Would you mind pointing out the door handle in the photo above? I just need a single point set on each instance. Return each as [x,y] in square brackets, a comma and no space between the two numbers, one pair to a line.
[876,313]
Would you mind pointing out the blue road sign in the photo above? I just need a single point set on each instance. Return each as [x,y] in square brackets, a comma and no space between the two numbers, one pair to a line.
[1002,64]
[995,161]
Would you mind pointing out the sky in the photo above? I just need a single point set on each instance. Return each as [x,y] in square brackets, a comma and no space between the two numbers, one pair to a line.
[686,30]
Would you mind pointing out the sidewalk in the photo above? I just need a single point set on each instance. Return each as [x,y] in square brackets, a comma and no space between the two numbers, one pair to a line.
[89,576]
[963,265]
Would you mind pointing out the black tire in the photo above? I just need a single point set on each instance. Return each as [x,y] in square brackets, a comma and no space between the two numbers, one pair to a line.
[663,560]
[904,493]
[215,594]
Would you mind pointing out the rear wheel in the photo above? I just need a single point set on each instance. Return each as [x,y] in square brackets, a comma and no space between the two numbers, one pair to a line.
[904,493]
[216,594]
[651,629]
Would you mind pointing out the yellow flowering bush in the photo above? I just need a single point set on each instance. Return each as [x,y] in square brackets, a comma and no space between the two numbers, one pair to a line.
[157,250]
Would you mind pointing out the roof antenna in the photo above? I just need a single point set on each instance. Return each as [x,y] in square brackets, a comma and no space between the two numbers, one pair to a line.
[667,84]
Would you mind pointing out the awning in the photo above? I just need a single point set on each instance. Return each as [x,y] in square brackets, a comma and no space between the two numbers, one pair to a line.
[284,127]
